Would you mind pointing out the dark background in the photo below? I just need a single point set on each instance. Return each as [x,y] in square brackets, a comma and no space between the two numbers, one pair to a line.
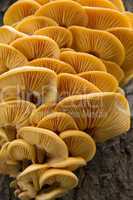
[109,176]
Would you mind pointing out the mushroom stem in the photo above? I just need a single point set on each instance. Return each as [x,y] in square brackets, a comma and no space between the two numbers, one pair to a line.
[10,132]
[40,155]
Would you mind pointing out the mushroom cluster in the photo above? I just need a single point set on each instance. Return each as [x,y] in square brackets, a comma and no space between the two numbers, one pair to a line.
[62,66]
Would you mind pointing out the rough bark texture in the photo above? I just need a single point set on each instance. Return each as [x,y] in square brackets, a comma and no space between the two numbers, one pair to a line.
[109,176]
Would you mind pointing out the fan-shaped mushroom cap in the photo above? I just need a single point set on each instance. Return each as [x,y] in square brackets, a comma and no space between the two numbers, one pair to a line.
[82,62]
[127,42]
[28,181]
[3,137]
[37,47]
[65,13]
[115,70]
[8,34]
[58,122]
[35,84]
[130,17]
[53,64]
[20,9]
[55,148]
[99,43]
[79,144]
[59,181]
[10,58]
[33,23]
[20,150]
[119,4]
[15,114]
[103,115]
[103,80]
[97,3]
[60,35]
[69,85]
[66,49]
[102,18]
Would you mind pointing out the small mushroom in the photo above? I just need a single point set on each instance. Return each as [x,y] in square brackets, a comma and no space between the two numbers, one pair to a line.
[8,34]
[128,45]
[104,18]
[115,70]
[38,114]
[13,115]
[82,62]
[69,85]
[97,3]
[10,58]
[51,63]
[33,84]
[103,80]
[55,182]
[37,47]
[48,145]
[57,122]
[79,144]
[99,43]
[33,23]
[102,115]
[119,4]
[60,35]
[20,9]
[65,13]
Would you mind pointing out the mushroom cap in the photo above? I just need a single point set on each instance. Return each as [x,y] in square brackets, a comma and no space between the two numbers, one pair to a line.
[66,49]
[127,42]
[20,150]
[20,9]
[99,43]
[128,78]
[82,62]
[3,137]
[57,66]
[8,34]
[65,13]
[104,18]
[69,85]
[64,179]
[79,144]
[55,148]
[38,114]
[97,3]
[10,58]
[33,23]
[103,115]
[115,70]
[15,114]
[58,122]
[37,46]
[119,4]
[103,80]
[130,17]
[71,163]
[34,84]
[60,35]
[42,2]
[120,90]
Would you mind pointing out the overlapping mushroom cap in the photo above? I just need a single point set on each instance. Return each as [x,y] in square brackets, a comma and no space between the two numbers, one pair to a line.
[119,4]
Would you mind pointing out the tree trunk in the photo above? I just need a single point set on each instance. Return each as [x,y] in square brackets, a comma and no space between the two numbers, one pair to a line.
[109,176]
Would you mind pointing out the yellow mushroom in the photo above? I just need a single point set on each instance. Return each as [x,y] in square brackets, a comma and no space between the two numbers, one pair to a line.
[119,4]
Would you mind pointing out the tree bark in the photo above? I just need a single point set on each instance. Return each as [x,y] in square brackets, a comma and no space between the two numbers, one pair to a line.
[109,176]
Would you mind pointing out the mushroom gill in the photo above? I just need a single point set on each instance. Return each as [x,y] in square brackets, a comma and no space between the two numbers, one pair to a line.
[14,114]
[8,34]
[37,47]
[49,146]
[19,10]
[69,85]
[79,144]
[99,43]
[33,23]
[57,66]
[60,35]
[103,80]
[102,115]
[33,84]
[3,137]
[58,122]
[102,18]
[65,13]
[82,62]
